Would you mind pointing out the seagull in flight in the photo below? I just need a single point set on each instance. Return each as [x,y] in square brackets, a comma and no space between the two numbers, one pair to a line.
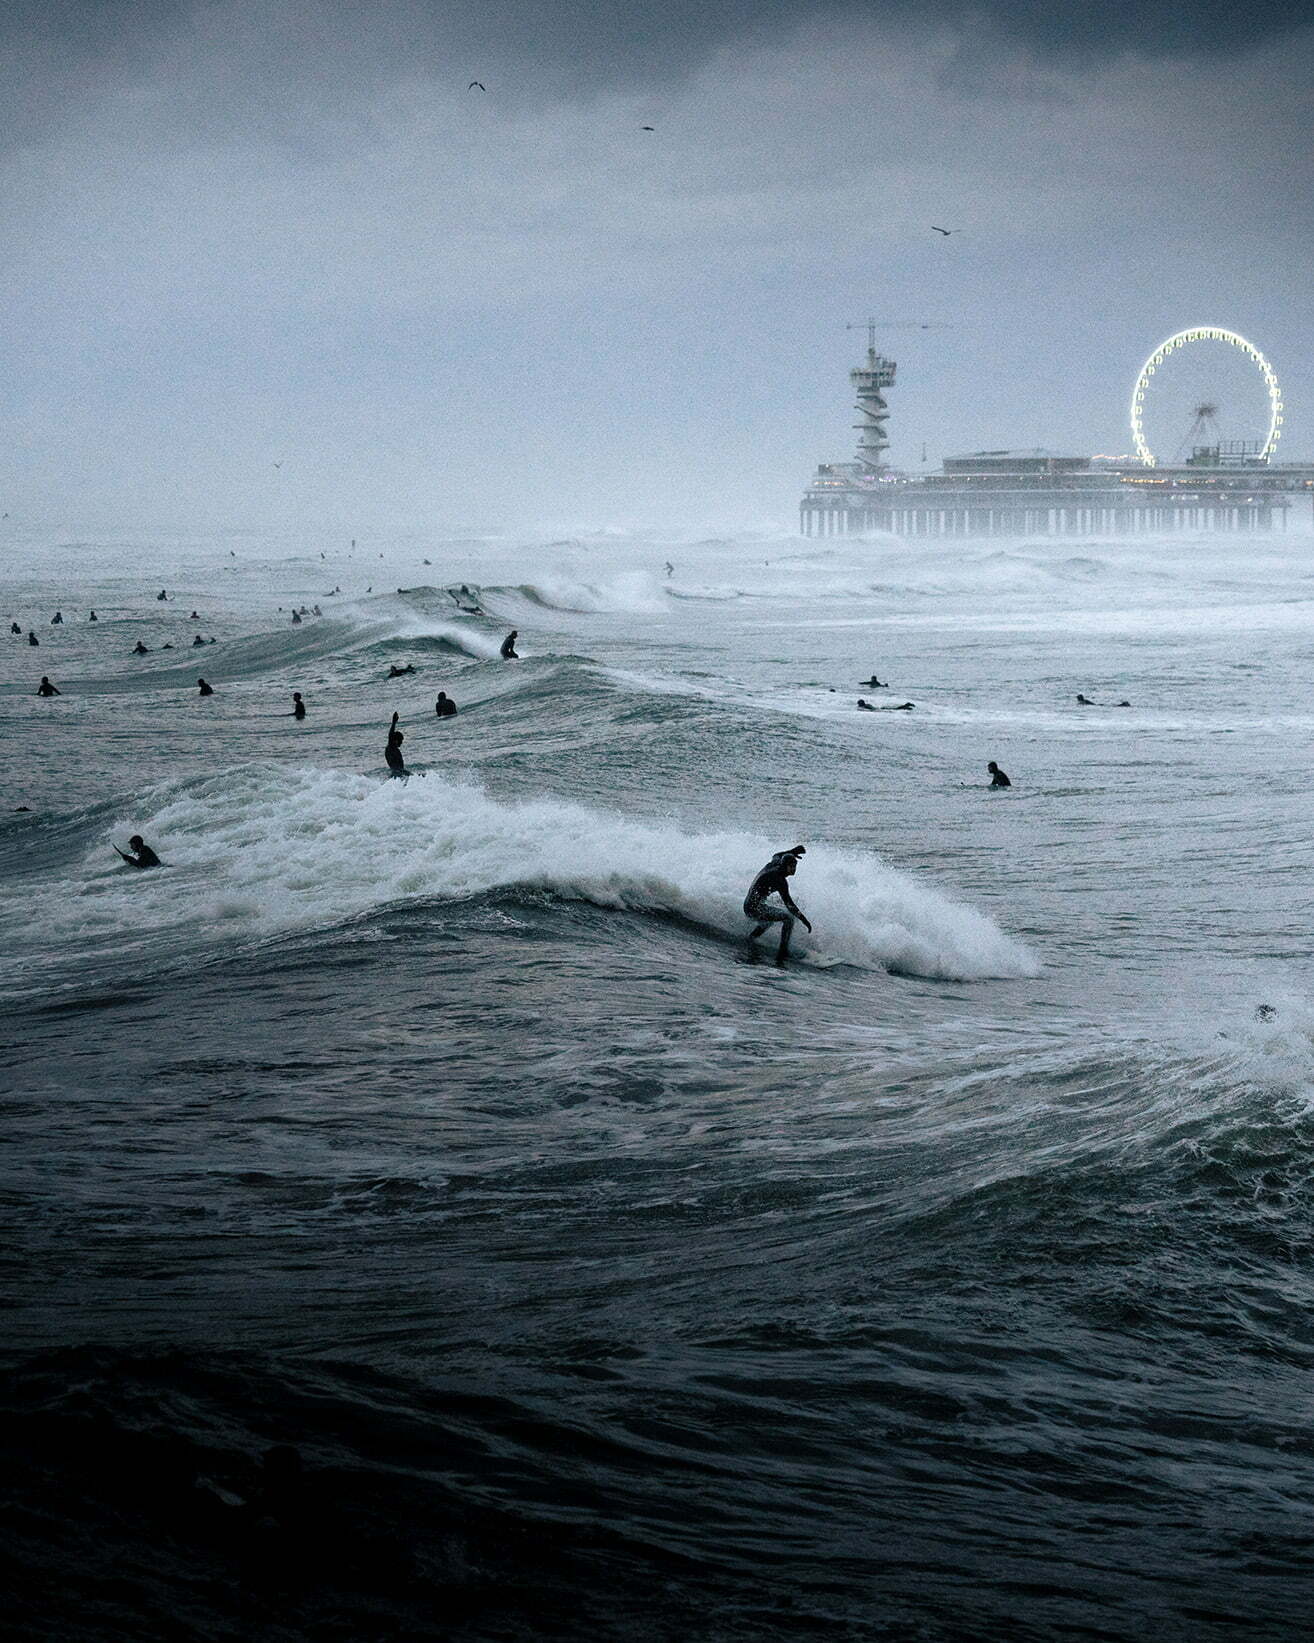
[475,83]
[278,464]
[945,231]
[647,128]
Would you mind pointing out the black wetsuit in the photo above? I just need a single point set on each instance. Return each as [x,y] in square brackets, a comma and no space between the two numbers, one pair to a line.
[392,753]
[145,857]
[45,688]
[772,880]
[203,688]
[445,707]
[509,653]
[298,709]
[998,778]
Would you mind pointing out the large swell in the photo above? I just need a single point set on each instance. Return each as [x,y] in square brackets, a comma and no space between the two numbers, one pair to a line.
[424,1216]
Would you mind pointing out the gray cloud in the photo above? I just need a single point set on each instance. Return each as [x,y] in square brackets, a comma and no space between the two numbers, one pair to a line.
[263,227]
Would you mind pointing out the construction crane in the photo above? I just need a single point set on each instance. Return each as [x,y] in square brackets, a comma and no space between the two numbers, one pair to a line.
[871,326]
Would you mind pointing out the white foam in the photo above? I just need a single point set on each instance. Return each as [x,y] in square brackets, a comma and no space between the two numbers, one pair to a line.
[259,851]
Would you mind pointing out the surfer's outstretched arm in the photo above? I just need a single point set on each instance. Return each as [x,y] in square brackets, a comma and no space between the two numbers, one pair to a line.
[798,913]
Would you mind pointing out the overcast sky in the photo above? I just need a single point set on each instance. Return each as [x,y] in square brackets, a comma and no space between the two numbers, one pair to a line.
[284,231]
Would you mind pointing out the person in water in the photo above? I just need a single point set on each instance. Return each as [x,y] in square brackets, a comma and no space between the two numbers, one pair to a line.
[997,776]
[298,706]
[392,753]
[444,707]
[196,616]
[45,688]
[32,638]
[142,854]
[865,705]
[774,880]
[296,619]
[139,649]
[14,628]
[197,640]
[57,620]
[161,596]
[872,684]
[203,688]
[93,617]
[1085,701]
[395,672]
[509,652]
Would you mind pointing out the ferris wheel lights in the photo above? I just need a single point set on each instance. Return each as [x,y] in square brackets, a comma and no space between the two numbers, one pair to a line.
[1205,333]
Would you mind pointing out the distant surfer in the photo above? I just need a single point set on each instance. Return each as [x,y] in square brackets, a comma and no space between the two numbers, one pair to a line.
[392,753]
[670,570]
[142,855]
[57,620]
[509,652]
[195,616]
[865,705]
[873,683]
[45,688]
[32,638]
[203,688]
[774,880]
[444,707]
[14,628]
[298,706]
[1085,701]
[296,618]
[197,640]
[997,776]
[139,649]
[93,617]
[395,672]
[161,596]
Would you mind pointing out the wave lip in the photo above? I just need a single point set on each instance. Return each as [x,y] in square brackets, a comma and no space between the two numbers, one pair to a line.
[257,852]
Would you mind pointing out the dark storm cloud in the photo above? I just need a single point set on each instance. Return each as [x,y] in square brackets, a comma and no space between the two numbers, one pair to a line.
[601,39]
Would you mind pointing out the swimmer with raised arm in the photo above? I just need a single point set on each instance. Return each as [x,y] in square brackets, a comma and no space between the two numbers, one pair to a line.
[774,880]
[392,753]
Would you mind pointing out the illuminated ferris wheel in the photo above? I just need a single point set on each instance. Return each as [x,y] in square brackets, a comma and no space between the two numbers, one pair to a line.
[1264,397]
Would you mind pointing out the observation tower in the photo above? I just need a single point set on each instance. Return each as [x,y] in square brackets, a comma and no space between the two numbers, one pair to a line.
[869,384]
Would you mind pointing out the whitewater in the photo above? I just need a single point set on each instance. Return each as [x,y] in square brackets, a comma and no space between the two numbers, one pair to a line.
[608,1279]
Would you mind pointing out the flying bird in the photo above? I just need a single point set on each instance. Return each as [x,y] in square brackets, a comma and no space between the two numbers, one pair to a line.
[278,464]
[647,128]
[944,230]
[475,83]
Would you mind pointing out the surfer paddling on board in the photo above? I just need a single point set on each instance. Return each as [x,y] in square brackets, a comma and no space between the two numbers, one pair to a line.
[142,854]
[774,880]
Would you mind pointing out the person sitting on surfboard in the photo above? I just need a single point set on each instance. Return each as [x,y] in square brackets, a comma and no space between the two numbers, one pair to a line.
[774,880]
[142,854]
[444,707]
[997,776]
[509,653]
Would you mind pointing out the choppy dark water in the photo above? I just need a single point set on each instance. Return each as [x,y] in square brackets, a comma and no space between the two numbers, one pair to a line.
[607,1284]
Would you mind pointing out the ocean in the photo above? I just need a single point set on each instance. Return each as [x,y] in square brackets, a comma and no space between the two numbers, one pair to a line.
[423,1217]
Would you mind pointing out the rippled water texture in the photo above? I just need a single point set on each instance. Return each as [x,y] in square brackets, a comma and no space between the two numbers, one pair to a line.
[424,1218]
